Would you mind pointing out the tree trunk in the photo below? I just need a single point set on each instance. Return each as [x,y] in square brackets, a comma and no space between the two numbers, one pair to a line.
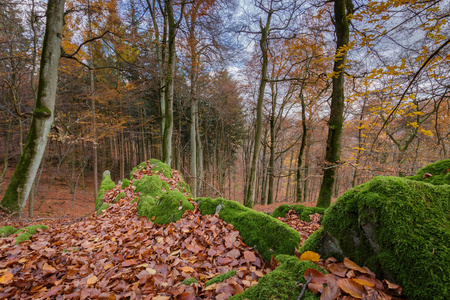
[300,197]
[342,8]
[6,155]
[18,190]
[249,198]
[168,96]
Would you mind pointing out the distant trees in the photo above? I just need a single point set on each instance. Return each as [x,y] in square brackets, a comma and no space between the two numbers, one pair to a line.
[16,195]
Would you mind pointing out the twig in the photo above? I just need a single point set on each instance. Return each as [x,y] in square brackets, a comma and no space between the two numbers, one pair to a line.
[79,219]
[304,286]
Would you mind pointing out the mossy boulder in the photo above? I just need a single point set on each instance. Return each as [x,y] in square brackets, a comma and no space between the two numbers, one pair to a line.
[302,211]
[106,185]
[160,167]
[397,227]
[437,173]
[125,184]
[150,186]
[7,231]
[283,282]
[266,234]
[119,196]
[26,232]
[168,208]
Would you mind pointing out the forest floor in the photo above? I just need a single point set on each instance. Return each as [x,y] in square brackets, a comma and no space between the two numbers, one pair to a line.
[55,200]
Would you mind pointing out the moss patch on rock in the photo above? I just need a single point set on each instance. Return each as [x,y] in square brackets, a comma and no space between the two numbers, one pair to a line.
[7,231]
[160,167]
[303,211]
[150,186]
[189,281]
[102,208]
[26,232]
[397,227]
[440,172]
[107,184]
[119,196]
[221,277]
[168,208]
[266,234]
[283,282]
[125,184]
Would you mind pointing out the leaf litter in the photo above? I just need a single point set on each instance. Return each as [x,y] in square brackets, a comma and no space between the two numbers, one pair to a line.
[119,256]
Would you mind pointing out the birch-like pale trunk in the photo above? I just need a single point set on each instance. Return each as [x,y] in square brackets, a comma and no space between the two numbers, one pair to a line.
[18,190]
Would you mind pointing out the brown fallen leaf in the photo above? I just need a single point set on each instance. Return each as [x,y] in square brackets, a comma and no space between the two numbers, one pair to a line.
[351,287]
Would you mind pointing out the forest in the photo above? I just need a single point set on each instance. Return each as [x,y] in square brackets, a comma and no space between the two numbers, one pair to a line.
[301,117]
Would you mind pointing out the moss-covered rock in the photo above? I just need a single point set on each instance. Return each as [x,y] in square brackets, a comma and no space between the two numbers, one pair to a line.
[26,232]
[221,277]
[102,208]
[106,185]
[397,227]
[437,173]
[283,282]
[125,184]
[160,167]
[267,235]
[302,211]
[149,186]
[168,208]
[7,231]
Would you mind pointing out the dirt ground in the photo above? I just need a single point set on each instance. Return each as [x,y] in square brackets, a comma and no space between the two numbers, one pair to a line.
[55,201]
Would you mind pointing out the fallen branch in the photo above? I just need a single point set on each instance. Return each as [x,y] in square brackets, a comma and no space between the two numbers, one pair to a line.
[304,286]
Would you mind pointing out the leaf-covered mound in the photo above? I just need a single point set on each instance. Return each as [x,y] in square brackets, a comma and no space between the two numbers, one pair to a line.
[119,256]
[397,227]
[267,235]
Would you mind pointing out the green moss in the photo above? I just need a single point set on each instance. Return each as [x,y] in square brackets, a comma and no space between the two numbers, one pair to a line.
[7,231]
[135,199]
[440,171]
[26,232]
[160,167]
[189,281]
[102,208]
[221,277]
[283,209]
[283,282]
[149,186]
[302,211]
[397,227]
[125,184]
[267,235]
[183,187]
[167,207]
[120,196]
[131,173]
[42,112]
[106,185]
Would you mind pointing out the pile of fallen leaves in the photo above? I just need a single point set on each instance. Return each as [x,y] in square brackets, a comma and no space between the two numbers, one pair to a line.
[118,256]
[346,281]
[305,229]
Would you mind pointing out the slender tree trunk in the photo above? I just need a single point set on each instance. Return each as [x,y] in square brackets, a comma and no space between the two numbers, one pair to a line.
[342,8]
[300,197]
[249,198]
[272,121]
[6,155]
[18,190]
[168,96]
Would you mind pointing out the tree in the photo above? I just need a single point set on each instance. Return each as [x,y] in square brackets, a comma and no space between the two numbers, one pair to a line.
[342,11]
[16,194]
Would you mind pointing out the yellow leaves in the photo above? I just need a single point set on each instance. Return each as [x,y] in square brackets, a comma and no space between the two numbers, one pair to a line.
[413,124]
[6,277]
[310,255]
[426,132]
[92,280]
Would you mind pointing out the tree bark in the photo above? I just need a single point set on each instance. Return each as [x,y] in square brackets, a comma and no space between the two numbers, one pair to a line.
[300,197]
[342,8]
[18,190]
[249,198]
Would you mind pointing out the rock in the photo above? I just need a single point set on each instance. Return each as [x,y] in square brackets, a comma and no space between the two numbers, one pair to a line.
[399,228]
